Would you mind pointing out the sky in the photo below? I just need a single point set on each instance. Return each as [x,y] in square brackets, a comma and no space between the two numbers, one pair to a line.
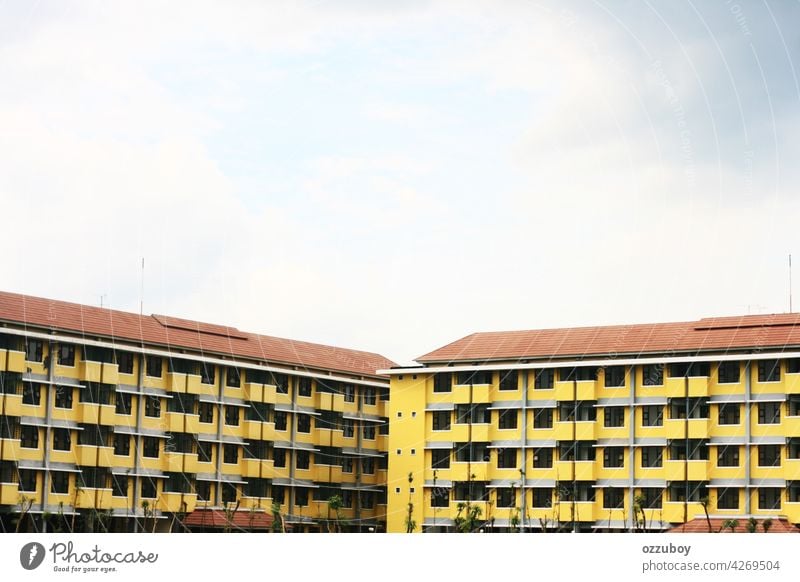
[394,176]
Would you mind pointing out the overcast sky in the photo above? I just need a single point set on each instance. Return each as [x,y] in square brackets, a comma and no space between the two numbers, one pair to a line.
[393,177]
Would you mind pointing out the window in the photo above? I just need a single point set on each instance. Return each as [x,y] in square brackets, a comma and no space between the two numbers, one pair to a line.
[440,459]
[95,393]
[63,397]
[729,372]
[148,488]
[230,454]
[697,449]
[368,465]
[206,412]
[509,380]
[205,451]
[728,456]
[122,445]
[232,415]
[280,381]
[653,374]
[614,417]
[182,403]
[152,406]
[207,373]
[769,498]
[507,419]
[123,403]
[153,366]
[769,455]
[383,427]
[652,415]
[479,377]
[304,423]
[613,457]
[471,452]
[328,456]
[475,414]
[256,488]
[59,482]
[652,497]
[576,411]
[582,373]
[729,413]
[150,447]
[61,439]
[32,394]
[258,411]
[469,491]
[689,369]
[728,498]
[506,497]
[369,432]
[652,457]
[506,458]
[347,464]
[33,350]
[29,437]
[440,497]
[615,376]
[769,413]
[441,419]
[367,499]
[769,371]
[27,480]
[257,450]
[302,459]
[348,428]
[304,386]
[66,355]
[542,496]
[543,418]
[280,420]
[543,458]
[125,362]
[613,498]
[177,483]
[544,379]
[793,366]
[233,378]
[349,393]
[95,435]
[369,396]
[180,442]
[279,458]
[696,407]
[119,485]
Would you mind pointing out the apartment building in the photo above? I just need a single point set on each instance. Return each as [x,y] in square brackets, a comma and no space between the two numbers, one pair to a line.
[112,421]
[619,428]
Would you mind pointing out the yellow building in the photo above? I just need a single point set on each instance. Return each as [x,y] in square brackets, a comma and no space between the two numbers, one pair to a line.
[620,428]
[112,421]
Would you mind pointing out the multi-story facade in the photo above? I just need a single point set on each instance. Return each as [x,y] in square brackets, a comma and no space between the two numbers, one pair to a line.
[112,421]
[621,428]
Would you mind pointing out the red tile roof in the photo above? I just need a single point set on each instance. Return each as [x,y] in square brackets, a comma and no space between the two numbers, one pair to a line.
[239,520]
[700,525]
[717,334]
[164,331]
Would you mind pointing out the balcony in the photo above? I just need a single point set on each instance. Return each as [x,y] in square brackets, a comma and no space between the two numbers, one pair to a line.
[91,413]
[792,384]
[582,430]
[11,404]
[791,426]
[179,422]
[176,382]
[792,469]
[99,372]
[461,471]
[583,390]
[328,401]
[676,387]
[9,449]
[93,498]
[474,394]
[677,470]
[12,361]
[583,471]
[259,431]
[578,511]
[176,462]
[676,428]
[256,468]
[9,494]
[264,503]
[170,502]
[676,511]
[92,456]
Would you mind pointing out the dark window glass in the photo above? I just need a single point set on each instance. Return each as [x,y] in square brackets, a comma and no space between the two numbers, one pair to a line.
[208,373]
[122,445]
[33,350]
[303,423]
[232,378]
[509,380]
[61,439]
[154,366]
[29,437]
[123,403]
[150,447]
[66,355]
[303,459]
[440,459]
[615,376]
[152,406]
[232,415]
[729,372]
[230,454]
[32,394]
[206,412]
[769,371]
[543,418]
[729,413]
[441,419]
[304,386]
[125,362]
[59,482]
[507,419]
[653,374]
[63,397]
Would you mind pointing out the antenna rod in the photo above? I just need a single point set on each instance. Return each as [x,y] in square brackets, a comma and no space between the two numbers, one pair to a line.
[141,292]
[790,283]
